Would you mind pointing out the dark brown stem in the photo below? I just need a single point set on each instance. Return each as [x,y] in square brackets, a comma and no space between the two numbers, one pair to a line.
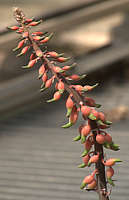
[101,179]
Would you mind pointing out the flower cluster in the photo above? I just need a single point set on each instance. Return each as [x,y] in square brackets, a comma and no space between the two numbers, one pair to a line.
[92,132]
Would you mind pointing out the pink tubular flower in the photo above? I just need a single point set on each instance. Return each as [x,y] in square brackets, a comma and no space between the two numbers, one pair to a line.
[100,138]
[93,159]
[88,179]
[110,162]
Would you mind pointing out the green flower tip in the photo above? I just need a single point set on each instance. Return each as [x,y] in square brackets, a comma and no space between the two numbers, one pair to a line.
[91,116]
[84,153]
[67,125]
[83,139]
[77,138]
[82,165]
[82,186]
[25,67]
[50,100]
[110,181]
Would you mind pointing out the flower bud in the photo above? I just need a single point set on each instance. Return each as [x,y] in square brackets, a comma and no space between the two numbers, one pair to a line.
[108,138]
[75,77]
[100,138]
[30,64]
[46,39]
[93,159]
[48,84]
[86,129]
[25,34]
[89,88]
[56,97]
[32,56]
[85,110]
[101,116]
[87,180]
[35,23]
[53,54]
[44,77]
[109,172]
[20,44]
[13,28]
[39,53]
[92,185]
[88,144]
[60,87]
[24,50]
[37,33]
[110,162]
[41,70]
[67,67]
[85,161]
[57,69]
[69,106]
[37,37]
[78,88]
[62,59]
[28,20]
[73,117]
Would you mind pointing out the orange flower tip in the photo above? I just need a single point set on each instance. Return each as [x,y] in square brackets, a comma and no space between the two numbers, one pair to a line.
[85,152]
[82,165]
[110,181]
[67,125]
[77,138]
[98,105]
[83,185]
[83,139]
[25,67]
[91,116]
[50,100]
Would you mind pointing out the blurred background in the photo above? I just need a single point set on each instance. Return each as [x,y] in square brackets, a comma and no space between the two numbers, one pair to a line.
[38,159]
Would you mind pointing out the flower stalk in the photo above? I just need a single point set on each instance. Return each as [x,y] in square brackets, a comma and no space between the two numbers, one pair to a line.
[91,132]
